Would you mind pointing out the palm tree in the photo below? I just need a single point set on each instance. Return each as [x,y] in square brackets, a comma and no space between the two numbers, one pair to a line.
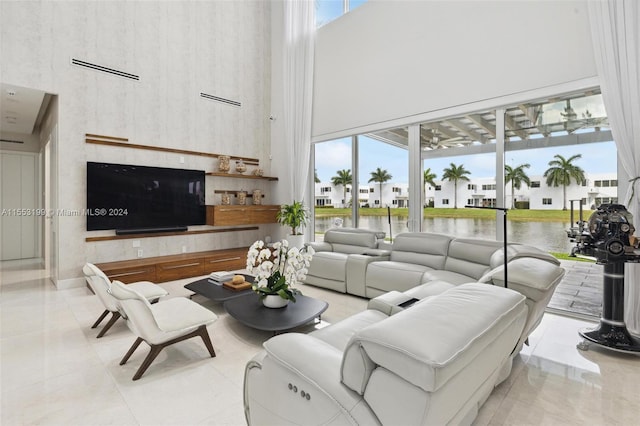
[455,174]
[380,176]
[429,176]
[343,178]
[561,171]
[315,176]
[517,176]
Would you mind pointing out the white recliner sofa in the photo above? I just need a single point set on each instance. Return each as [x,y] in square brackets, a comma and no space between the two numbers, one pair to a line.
[423,264]
[433,363]
[331,264]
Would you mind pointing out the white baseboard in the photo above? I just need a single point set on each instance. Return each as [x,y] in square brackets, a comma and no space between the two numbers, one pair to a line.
[70,283]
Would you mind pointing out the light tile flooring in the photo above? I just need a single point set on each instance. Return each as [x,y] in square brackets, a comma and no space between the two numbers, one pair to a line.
[55,372]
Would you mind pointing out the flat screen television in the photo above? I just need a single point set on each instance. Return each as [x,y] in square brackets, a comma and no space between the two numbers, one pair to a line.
[131,198]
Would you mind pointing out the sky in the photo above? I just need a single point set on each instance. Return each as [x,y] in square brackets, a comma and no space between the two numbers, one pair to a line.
[336,155]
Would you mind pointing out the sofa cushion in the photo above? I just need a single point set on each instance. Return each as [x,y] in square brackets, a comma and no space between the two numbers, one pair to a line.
[339,333]
[329,265]
[339,237]
[453,278]
[477,315]
[532,277]
[471,257]
[421,248]
[389,275]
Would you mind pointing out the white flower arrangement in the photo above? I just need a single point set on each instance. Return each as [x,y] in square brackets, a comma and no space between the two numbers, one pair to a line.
[277,269]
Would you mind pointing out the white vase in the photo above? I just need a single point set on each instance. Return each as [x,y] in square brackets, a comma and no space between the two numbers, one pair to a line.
[274,301]
[296,240]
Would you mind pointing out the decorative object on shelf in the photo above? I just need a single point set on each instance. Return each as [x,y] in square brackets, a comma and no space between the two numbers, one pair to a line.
[223,163]
[242,197]
[277,270]
[225,199]
[257,197]
[258,172]
[241,167]
[295,216]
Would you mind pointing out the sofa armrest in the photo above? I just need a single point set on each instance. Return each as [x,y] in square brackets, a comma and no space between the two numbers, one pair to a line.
[357,270]
[320,246]
[315,361]
[534,278]
[377,252]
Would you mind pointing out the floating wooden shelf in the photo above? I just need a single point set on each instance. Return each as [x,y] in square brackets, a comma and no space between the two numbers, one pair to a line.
[241,176]
[124,143]
[167,234]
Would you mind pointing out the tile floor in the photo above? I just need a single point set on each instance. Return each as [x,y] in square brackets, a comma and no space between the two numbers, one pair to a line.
[54,371]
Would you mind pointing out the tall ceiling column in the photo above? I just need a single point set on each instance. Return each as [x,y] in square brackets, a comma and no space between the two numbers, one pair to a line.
[416,184]
[500,202]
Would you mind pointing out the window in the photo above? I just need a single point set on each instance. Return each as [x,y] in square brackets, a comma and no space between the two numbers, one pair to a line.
[583,201]
[328,10]
[364,190]
[546,201]
[614,182]
[472,187]
[438,187]
[605,183]
[376,202]
[584,182]
[348,190]
[396,189]
[597,183]
[445,201]
[394,202]
[325,189]
[372,190]
[535,184]
[489,187]
[469,202]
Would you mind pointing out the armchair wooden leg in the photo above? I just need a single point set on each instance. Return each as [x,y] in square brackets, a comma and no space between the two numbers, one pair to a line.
[153,353]
[100,318]
[112,320]
[132,349]
[204,334]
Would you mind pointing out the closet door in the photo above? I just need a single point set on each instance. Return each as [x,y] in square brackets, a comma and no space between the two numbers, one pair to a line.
[18,204]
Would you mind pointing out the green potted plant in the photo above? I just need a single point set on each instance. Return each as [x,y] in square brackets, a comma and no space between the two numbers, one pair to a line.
[294,216]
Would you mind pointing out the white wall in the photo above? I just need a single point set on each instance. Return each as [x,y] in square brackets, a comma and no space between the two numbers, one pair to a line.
[178,49]
[389,62]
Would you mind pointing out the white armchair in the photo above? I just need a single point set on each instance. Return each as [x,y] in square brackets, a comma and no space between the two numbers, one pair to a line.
[100,284]
[162,324]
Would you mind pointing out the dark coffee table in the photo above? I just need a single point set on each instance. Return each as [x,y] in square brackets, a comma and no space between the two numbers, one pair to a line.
[249,310]
[217,293]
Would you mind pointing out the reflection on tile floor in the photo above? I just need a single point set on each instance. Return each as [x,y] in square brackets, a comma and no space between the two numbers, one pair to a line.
[54,371]
[580,291]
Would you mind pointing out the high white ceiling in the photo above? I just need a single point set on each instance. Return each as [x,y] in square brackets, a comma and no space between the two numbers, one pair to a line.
[19,108]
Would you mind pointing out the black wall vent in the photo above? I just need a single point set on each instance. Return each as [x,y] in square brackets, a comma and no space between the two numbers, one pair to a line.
[10,141]
[80,63]
[219,99]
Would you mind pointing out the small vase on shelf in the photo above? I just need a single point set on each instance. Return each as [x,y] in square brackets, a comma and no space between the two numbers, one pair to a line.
[257,197]
[242,198]
[241,167]
[223,163]
[274,301]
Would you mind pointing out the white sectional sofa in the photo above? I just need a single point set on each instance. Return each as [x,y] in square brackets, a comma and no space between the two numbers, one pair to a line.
[423,263]
[435,362]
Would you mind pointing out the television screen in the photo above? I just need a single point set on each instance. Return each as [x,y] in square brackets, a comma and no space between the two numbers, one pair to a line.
[125,197]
